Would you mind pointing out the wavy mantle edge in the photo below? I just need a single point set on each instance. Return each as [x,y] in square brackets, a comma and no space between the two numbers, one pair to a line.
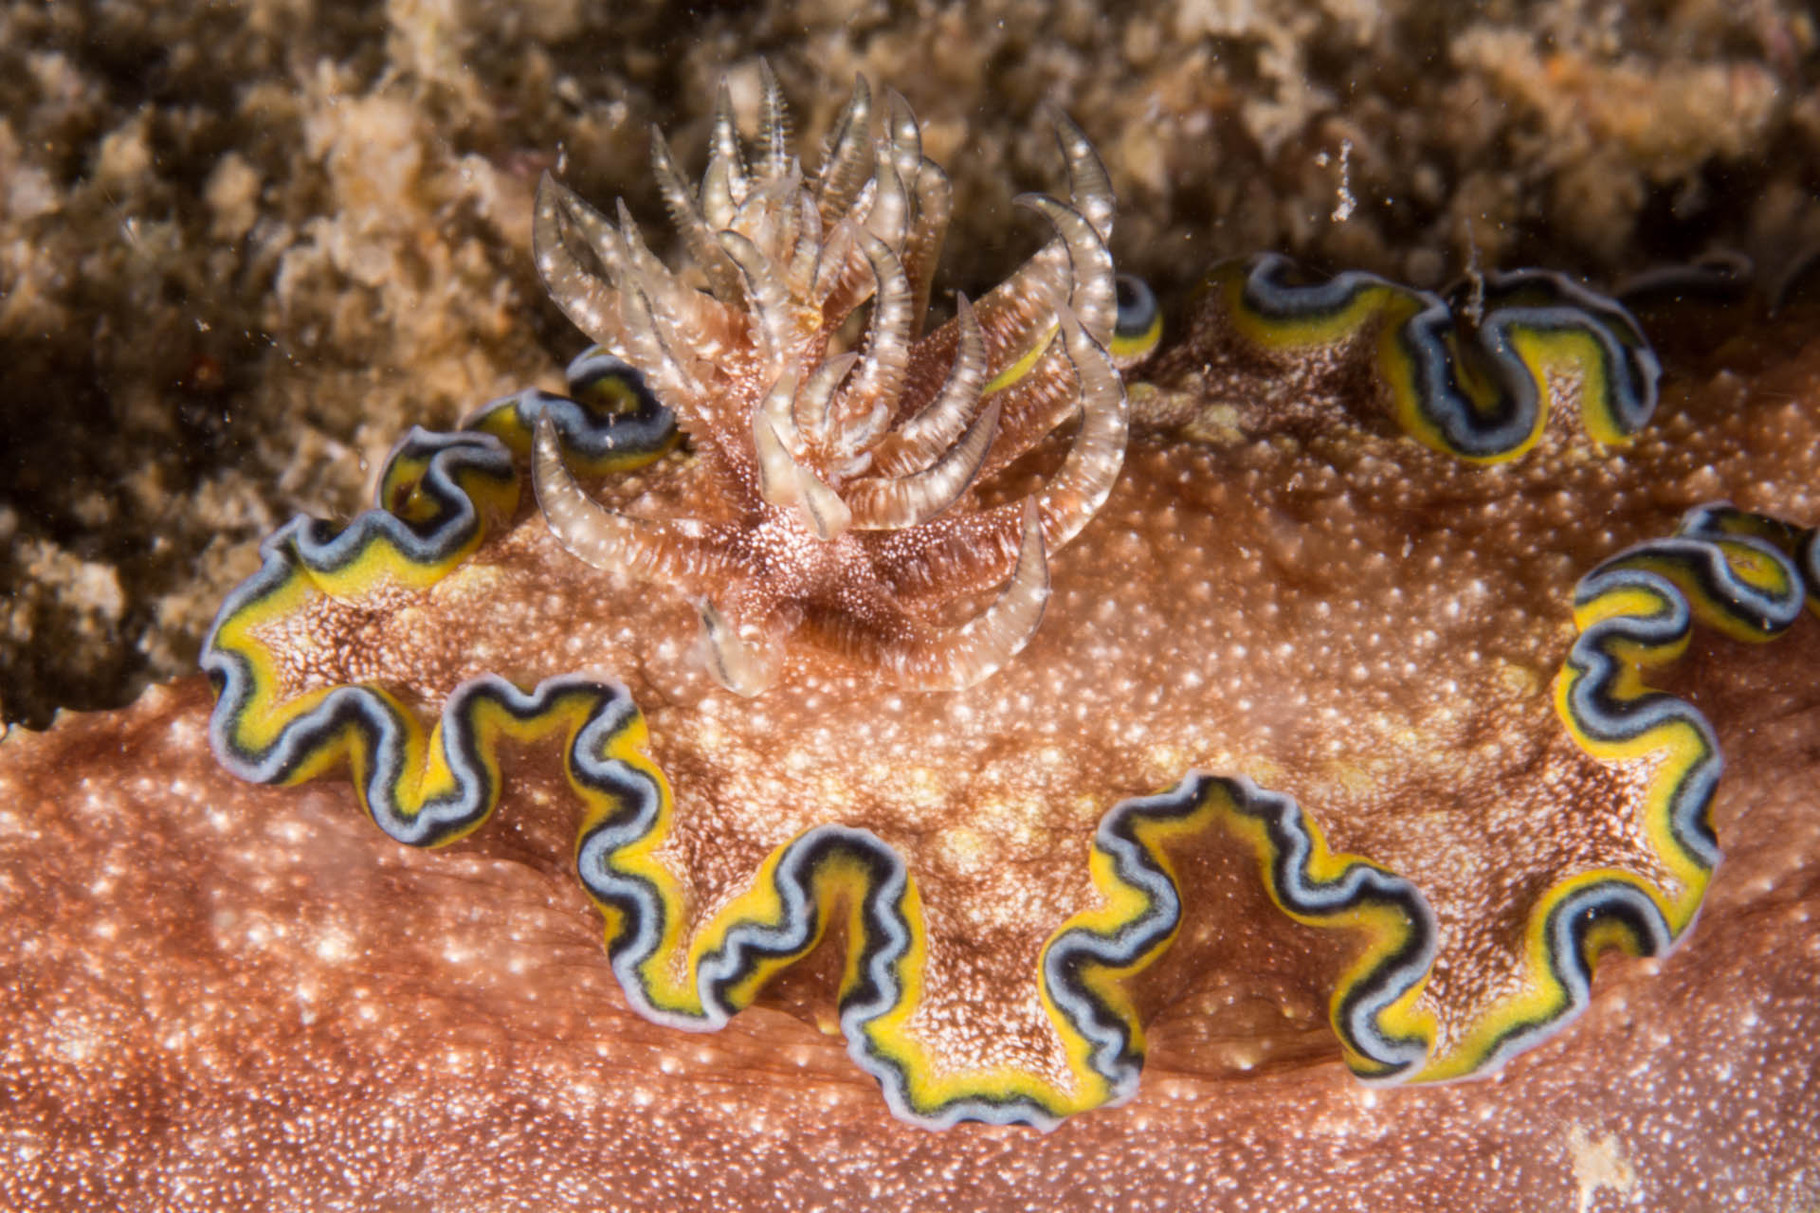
[1746,575]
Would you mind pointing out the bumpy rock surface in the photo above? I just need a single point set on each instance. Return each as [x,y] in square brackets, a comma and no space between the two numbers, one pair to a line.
[243,248]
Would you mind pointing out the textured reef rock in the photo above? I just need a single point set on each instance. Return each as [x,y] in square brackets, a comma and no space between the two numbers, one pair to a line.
[243,248]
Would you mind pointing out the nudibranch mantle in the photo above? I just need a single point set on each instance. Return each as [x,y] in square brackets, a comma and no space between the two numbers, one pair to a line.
[1353,636]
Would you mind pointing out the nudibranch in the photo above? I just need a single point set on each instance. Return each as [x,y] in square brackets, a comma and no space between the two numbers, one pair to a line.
[926,686]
